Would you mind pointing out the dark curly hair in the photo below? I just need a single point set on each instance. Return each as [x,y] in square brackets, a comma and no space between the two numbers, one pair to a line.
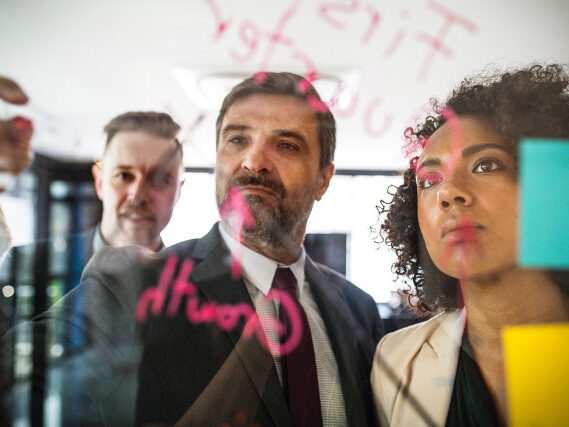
[530,102]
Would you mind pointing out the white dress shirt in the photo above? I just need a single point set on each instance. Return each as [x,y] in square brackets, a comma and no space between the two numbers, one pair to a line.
[258,272]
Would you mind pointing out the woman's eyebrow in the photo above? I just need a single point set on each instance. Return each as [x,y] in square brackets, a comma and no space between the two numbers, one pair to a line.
[480,147]
[435,161]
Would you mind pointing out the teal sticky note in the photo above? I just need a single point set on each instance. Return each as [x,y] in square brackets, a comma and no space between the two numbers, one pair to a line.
[544,204]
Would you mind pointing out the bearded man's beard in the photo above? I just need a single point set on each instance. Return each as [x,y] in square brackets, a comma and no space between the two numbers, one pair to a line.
[275,224]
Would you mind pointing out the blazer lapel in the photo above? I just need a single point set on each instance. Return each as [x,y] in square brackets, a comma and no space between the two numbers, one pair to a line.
[337,319]
[213,278]
[434,373]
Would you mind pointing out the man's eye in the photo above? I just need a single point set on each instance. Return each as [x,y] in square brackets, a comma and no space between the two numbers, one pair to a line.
[427,180]
[288,145]
[487,165]
[163,180]
[123,176]
[236,140]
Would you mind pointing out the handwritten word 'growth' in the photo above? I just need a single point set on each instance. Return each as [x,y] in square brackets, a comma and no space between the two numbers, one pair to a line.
[226,316]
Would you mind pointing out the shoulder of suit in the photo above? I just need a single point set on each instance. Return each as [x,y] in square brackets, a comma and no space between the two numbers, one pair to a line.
[185,247]
[330,271]
[121,259]
[133,260]
[402,343]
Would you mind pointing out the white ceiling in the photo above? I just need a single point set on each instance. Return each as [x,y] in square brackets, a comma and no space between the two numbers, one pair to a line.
[82,62]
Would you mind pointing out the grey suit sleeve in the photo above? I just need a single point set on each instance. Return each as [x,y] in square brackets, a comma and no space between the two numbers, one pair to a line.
[95,324]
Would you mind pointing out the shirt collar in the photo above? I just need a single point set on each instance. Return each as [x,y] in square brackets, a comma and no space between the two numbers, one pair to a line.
[260,270]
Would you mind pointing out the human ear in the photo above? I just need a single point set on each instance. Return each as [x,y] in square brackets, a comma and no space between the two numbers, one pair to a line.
[97,172]
[326,174]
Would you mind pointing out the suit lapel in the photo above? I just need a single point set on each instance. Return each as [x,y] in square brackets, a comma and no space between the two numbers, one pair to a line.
[337,319]
[213,277]
[435,370]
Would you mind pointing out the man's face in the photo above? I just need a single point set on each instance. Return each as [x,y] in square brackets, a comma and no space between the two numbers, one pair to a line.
[139,184]
[268,150]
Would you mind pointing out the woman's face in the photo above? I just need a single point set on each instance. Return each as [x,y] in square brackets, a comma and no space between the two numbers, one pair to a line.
[467,196]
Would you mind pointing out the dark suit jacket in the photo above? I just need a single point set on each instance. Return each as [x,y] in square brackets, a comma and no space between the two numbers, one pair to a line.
[196,372]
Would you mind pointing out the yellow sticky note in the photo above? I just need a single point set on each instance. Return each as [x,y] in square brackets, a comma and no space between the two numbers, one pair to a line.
[537,375]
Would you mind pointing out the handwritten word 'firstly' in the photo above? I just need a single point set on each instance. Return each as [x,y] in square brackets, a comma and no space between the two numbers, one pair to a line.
[247,43]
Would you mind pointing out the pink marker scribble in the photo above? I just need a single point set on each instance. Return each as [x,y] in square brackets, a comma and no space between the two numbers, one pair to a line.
[303,86]
[156,296]
[316,104]
[225,316]
[374,22]
[282,39]
[310,76]
[220,24]
[369,119]
[413,163]
[464,239]
[239,420]
[413,146]
[325,9]
[399,36]
[250,35]
[457,139]
[457,142]
[334,102]
[349,110]
[275,37]
[236,212]
[410,146]
[277,348]
[260,77]
[338,91]
[436,42]
[181,287]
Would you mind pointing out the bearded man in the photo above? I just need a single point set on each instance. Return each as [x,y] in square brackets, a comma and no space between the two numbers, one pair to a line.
[239,327]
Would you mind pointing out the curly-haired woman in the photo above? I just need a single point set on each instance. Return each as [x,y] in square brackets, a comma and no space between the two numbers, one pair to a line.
[453,225]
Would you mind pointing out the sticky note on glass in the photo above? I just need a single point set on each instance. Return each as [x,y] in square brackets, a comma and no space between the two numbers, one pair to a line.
[544,204]
[537,375]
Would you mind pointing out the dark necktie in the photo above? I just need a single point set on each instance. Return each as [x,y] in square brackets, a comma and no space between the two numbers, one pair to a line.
[300,380]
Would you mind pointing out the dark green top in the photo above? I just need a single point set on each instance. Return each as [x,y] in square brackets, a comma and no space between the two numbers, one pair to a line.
[471,403]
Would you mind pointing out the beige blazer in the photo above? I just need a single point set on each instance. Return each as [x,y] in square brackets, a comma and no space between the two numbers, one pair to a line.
[414,369]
